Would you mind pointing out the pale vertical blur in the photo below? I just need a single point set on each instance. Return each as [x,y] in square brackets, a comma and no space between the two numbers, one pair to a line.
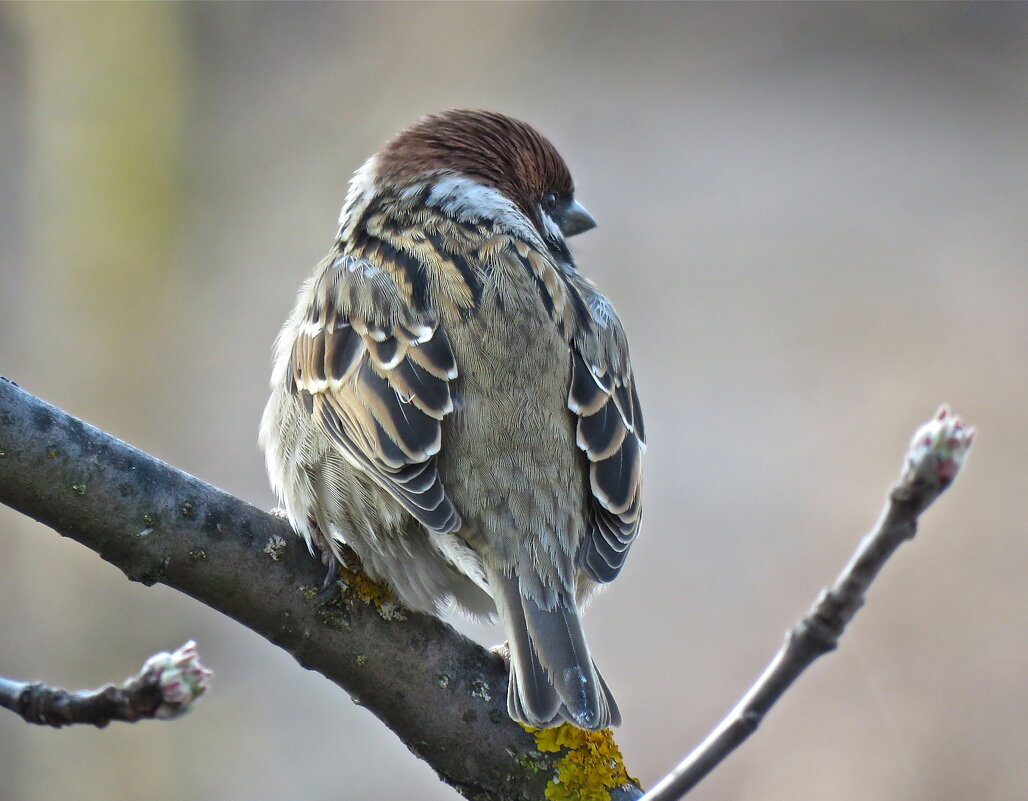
[812,220]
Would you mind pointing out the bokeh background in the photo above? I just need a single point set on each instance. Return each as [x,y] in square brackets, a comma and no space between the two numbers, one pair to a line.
[813,223]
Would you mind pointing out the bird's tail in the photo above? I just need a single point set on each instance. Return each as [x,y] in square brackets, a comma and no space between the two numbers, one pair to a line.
[552,676]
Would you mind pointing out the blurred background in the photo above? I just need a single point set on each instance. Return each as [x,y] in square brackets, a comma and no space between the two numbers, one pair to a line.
[813,223]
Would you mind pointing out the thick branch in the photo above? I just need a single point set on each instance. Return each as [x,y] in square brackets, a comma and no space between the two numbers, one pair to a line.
[442,694]
[932,462]
[164,688]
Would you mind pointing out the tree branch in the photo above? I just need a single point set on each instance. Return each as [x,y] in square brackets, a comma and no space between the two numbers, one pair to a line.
[164,688]
[933,460]
[442,694]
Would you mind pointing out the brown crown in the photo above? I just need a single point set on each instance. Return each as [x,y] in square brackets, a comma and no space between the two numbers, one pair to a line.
[496,149]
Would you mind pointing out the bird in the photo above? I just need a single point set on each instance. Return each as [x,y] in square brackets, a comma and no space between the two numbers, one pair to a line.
[453,400]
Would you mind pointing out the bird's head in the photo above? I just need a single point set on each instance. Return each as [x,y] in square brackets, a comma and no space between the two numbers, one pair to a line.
[480,164]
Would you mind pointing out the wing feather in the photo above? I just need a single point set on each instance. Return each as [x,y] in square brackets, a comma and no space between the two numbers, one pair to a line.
[435,355]
[375,376]
[601,434]
[609,431]
[343,349]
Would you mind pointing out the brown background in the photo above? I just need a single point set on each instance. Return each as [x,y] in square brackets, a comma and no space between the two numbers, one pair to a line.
[813,223]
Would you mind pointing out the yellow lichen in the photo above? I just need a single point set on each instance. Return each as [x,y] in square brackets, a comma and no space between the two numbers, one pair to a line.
[360,586]
[589,769]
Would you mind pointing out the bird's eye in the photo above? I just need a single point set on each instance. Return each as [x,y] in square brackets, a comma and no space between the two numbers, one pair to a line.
[550,201]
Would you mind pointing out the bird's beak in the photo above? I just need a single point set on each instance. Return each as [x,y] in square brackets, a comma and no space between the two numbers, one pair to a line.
[575,220]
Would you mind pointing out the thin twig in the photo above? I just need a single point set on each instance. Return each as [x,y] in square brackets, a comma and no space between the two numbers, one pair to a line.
[164,688]
[933,460]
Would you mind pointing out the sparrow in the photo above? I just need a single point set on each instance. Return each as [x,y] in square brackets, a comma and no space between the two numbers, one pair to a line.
[453,400]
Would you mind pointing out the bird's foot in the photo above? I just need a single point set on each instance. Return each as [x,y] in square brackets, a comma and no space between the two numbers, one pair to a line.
[332,576]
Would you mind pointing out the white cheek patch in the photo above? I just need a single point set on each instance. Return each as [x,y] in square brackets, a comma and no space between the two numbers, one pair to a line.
[460,197]
[551,227]
[468,200]
[411,191]
[362,187]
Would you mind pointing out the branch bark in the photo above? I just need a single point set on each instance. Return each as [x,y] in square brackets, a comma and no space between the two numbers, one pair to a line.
[442,694]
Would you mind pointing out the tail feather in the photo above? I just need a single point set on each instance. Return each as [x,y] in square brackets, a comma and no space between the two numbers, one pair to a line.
[539,707]
[612,706]
[530,697]
[552,676]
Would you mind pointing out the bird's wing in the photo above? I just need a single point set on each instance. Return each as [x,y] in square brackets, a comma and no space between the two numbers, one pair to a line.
[609,429]
[375,376]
